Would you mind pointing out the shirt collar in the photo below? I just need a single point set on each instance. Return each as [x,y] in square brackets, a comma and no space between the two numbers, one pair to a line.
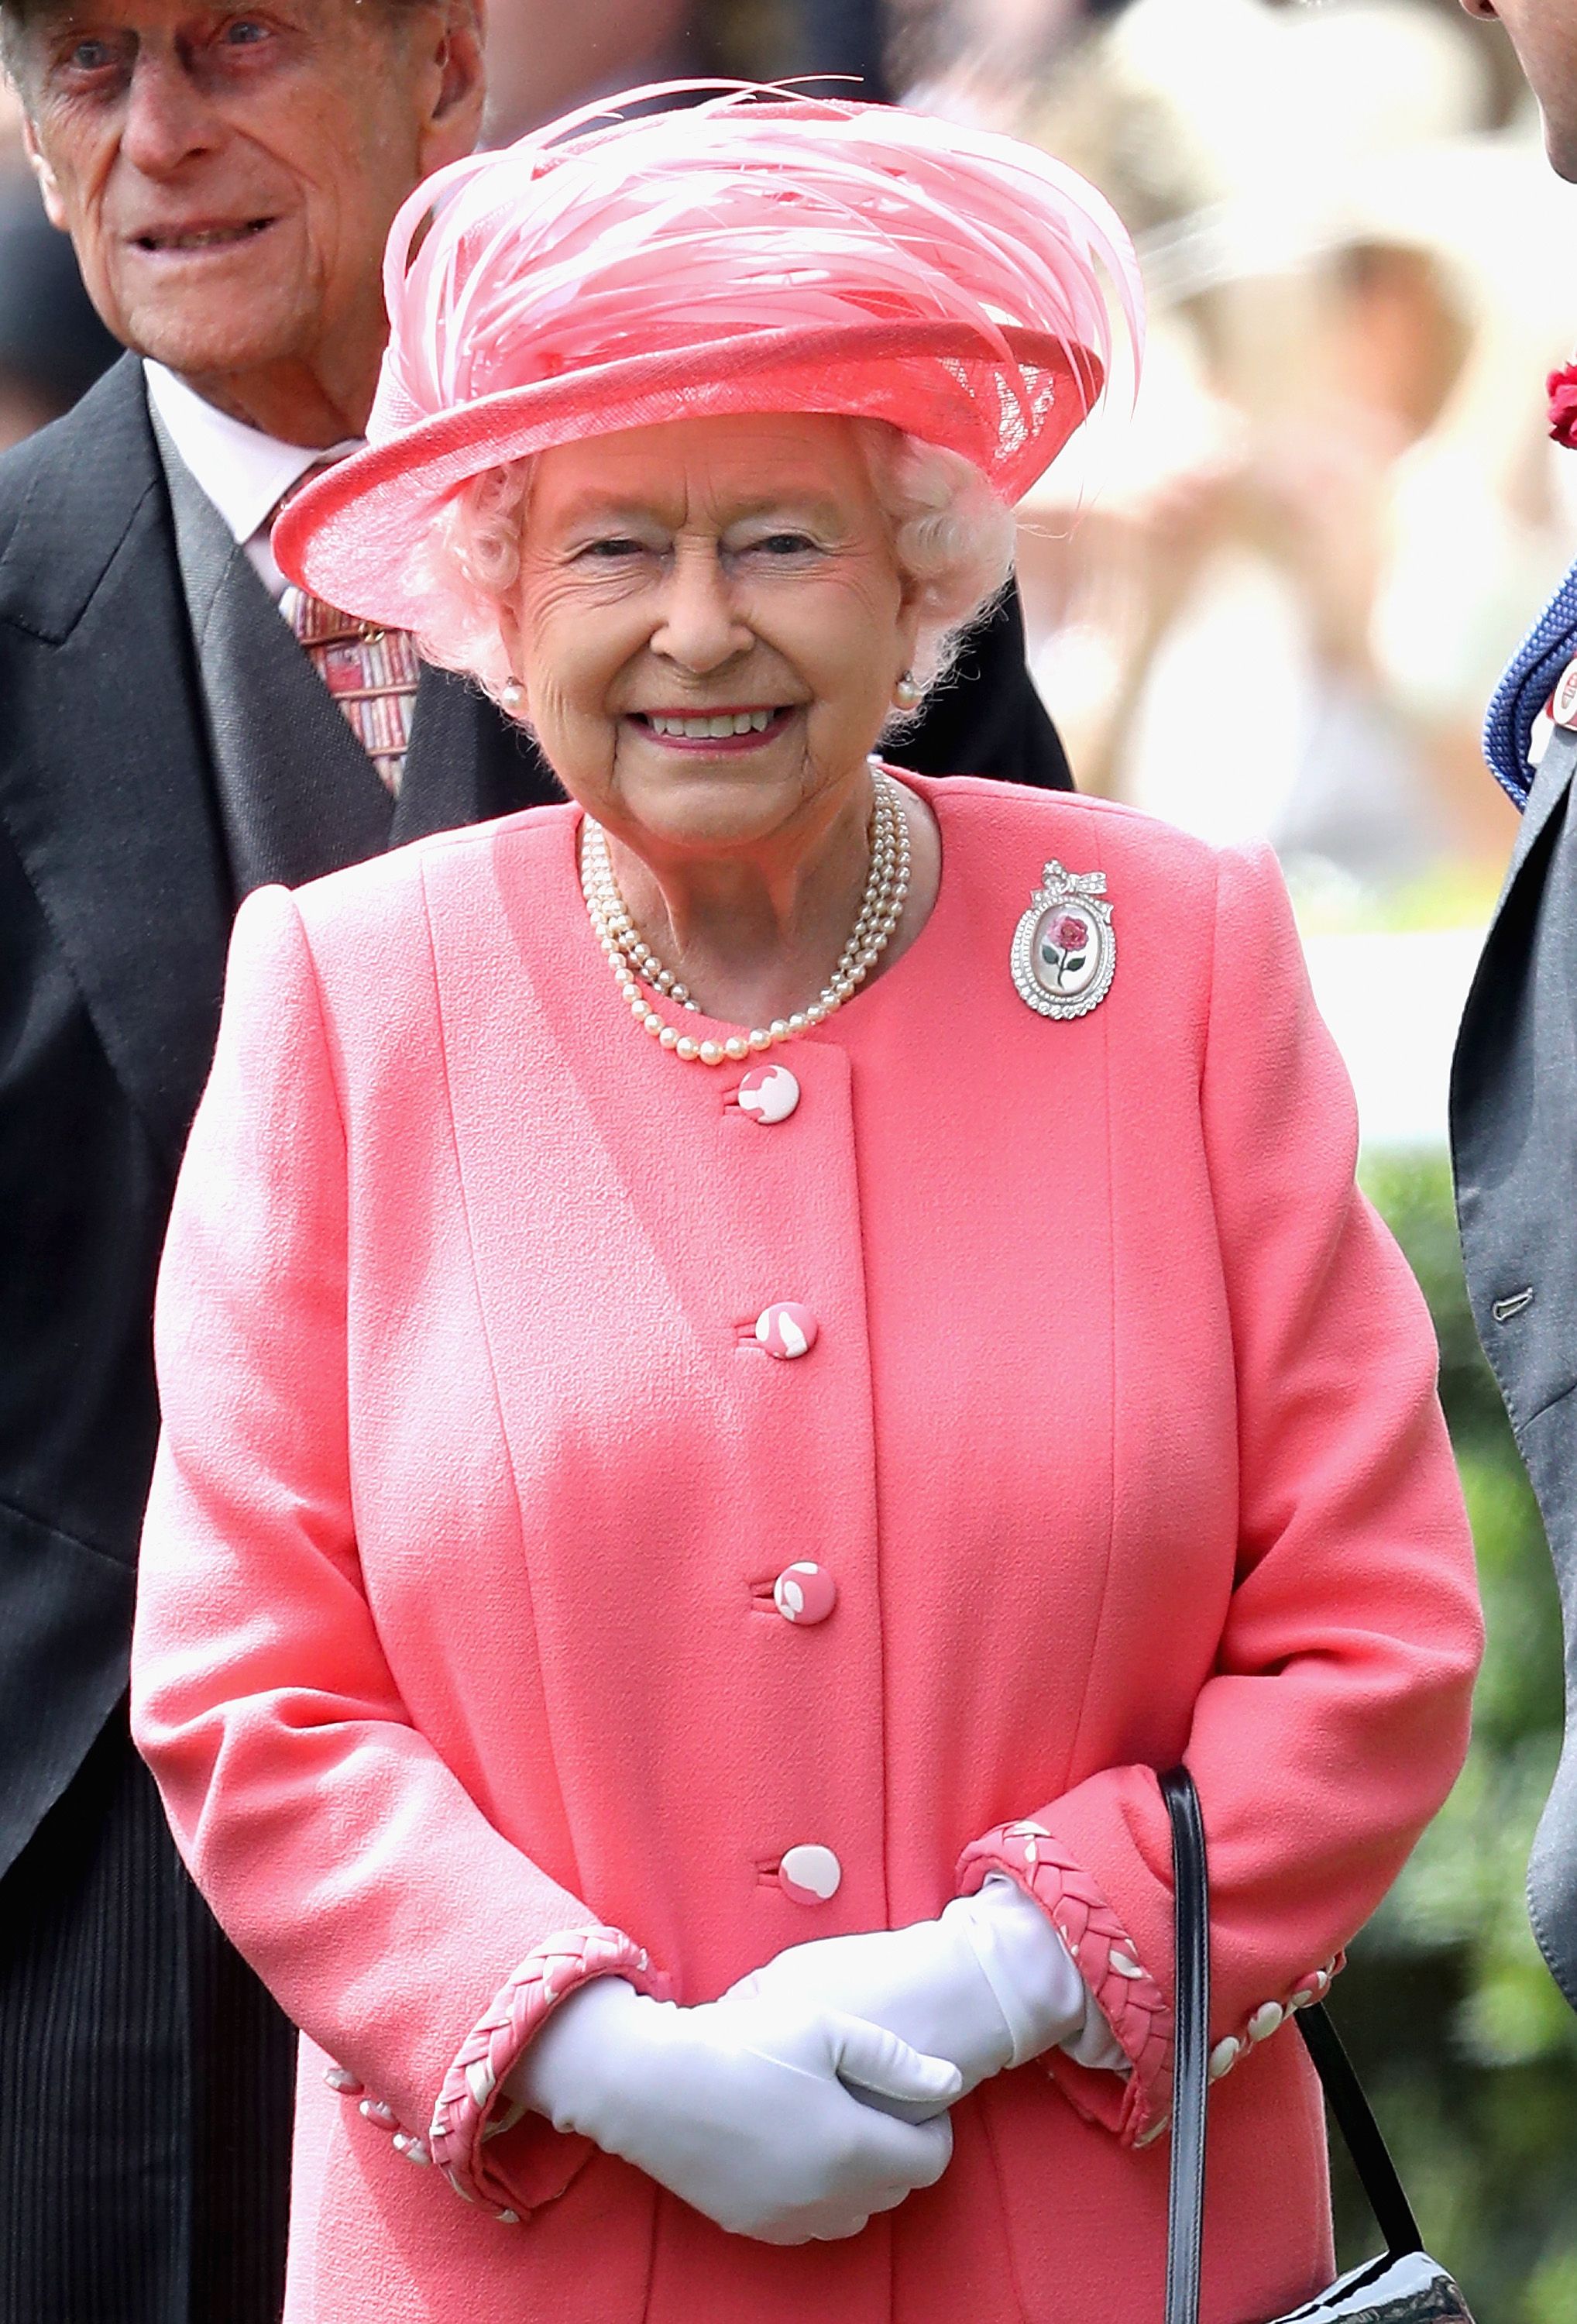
[244,472]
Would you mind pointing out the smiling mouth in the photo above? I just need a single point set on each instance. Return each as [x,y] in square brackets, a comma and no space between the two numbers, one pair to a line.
[714,725]
[202,237]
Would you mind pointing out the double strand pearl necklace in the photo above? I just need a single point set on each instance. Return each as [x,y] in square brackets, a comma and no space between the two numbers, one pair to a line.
[635,964]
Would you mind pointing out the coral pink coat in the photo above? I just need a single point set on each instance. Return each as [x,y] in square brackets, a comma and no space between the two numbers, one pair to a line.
[456,1631]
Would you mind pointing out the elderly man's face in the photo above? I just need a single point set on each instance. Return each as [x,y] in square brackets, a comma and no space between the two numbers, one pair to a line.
[228,176]
[1543,32]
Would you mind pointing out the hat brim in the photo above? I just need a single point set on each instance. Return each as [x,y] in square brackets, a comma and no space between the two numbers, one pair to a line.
[348,537]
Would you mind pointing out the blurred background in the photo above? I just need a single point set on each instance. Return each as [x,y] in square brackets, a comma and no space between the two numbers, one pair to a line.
[1273,606]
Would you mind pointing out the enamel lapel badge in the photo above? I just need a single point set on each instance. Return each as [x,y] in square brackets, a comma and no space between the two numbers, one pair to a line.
[1063,949]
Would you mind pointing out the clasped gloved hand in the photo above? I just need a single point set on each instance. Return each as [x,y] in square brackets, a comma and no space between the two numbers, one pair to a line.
[988,1984]
[742,2106]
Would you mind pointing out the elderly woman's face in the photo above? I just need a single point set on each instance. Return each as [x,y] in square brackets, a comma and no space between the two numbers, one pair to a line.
[709,625]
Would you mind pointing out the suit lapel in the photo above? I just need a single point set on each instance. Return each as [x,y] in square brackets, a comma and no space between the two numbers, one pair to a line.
[297,793]
[104,786]
[1480,1042]
[1550,787]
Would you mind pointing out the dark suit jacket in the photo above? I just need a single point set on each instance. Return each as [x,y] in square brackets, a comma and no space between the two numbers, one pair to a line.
[1514,1143]
[147,2071]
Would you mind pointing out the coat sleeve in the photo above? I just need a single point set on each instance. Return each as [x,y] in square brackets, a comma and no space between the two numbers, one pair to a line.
[397,1928]
[1336,1717]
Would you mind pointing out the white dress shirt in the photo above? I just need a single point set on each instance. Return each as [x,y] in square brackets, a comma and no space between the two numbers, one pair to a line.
[244,472]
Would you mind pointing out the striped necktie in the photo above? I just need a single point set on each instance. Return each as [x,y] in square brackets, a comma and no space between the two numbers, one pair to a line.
[372,673]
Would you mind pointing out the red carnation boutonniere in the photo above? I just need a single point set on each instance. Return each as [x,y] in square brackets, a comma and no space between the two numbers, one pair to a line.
[1561,389]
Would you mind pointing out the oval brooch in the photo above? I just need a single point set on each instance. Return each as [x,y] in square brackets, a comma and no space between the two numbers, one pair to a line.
[1065,953]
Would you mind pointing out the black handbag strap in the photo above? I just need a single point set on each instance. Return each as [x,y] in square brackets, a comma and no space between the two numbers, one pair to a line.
[1190,2076]
[1361,2134]
[1190,2053]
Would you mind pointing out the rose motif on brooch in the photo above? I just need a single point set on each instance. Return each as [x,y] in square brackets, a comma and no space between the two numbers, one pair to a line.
[1062,951]
[1065,953]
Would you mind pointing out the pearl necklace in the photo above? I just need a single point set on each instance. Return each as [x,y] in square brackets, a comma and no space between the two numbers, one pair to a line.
[633,961]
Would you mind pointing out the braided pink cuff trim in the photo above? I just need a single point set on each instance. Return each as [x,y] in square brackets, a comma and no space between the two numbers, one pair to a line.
[545,1977]
[1127,1996]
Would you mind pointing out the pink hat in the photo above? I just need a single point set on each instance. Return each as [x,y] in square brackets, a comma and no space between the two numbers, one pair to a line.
[759,251]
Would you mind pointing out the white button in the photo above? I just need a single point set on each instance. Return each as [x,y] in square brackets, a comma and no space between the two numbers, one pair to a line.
[769,1094]
[1564,701]
[804,1592]
[786,1329]
[1265,2021]
[810,1874]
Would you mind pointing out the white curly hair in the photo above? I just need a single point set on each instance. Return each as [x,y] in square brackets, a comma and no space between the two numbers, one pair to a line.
[951,536]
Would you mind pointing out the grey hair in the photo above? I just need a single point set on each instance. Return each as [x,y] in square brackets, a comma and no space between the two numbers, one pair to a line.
[952,538]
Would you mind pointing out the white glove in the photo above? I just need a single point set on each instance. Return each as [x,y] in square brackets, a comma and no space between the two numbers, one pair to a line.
[738,2105]
[988,1984]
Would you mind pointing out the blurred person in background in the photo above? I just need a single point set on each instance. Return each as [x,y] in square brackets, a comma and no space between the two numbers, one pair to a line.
[543,58]
[1513,1095]
[976,60]
[1279,617]
[168,743]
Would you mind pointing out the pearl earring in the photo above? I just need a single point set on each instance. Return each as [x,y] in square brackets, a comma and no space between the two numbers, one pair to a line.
[510,695]
[907,692]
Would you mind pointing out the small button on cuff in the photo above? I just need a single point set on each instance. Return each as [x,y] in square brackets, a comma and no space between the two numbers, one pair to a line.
[804,1593]
[769,1094]
[1224,2057]
[786,1329]
[809,1874]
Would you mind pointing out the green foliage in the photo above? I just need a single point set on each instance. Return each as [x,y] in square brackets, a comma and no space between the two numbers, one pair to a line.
[1465,2046]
